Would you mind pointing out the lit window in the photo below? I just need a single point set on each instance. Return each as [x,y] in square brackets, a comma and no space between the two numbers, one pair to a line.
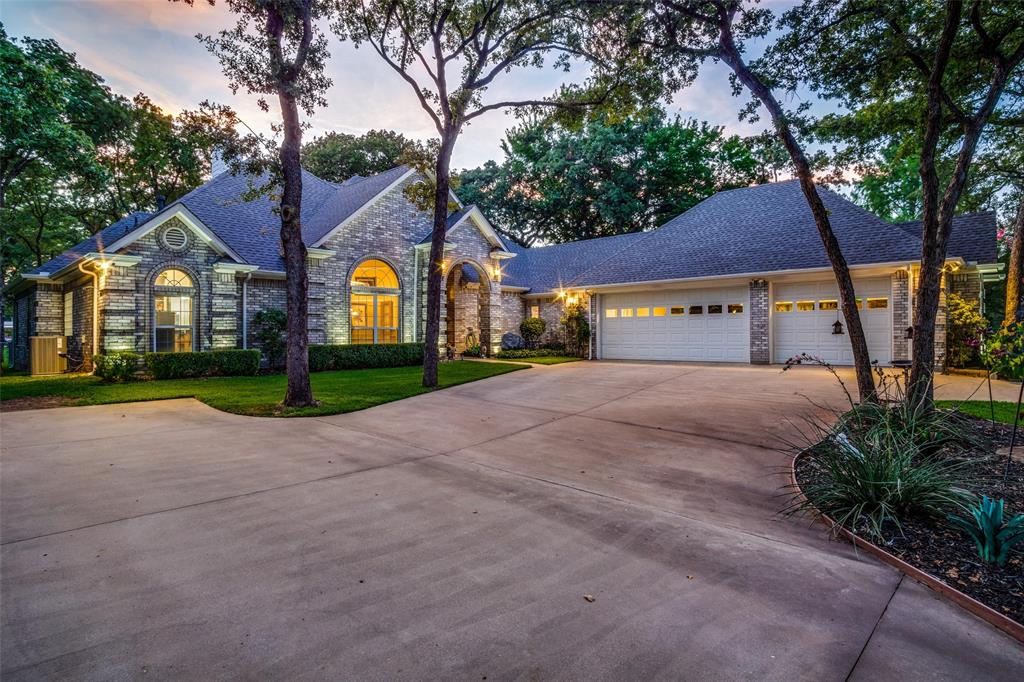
[611,312]
[804,306]
[172,277]
[696,310]
[659,312]
[676,310]
[375,273]
[374,305]
[715,309]
[535,311]
[172,312]
[878,303]
[643,312]
[783,306]
[828,305]
[69,313]
[625,312]
[735,308]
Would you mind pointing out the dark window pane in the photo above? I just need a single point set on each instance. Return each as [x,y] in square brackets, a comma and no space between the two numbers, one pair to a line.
[696,310]
[714,309]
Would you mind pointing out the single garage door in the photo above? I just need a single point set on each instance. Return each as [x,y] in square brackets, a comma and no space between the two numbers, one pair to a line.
[803,314]
[694,324]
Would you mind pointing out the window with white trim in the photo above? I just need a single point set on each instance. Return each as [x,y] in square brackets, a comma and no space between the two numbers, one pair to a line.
[173,319]
[374,304]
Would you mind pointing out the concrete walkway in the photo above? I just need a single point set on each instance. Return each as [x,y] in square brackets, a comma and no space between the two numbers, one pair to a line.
[455,536]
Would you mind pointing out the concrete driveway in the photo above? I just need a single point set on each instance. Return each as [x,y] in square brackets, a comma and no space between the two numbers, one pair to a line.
[454,536]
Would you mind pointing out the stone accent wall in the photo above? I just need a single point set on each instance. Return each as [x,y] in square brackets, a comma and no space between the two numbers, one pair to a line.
[760,348]
[263,294]
[48,310]
[137,282]
[119,311]
[387,230]
[80,344]
[551,310]
[512,313]
[901,319]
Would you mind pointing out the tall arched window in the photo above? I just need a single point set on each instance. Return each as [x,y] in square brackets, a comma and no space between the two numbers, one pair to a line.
[173,319]
[374,303]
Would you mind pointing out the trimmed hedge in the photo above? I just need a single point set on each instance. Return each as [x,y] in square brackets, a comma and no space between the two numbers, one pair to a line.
[364,356]
[213,363]
[521,353]
[115,367]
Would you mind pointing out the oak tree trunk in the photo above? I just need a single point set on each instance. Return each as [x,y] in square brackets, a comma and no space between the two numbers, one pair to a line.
[299,392]
[858,341]
[435,266]
[1015,271]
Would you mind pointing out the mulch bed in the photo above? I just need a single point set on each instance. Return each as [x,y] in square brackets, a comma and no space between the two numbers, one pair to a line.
[948,553]
[35,403]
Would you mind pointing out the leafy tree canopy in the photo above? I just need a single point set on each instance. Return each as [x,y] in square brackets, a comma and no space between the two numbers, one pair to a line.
[610,176]
[339,156]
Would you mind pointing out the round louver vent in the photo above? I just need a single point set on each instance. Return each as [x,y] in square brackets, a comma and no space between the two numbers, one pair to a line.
[175,238]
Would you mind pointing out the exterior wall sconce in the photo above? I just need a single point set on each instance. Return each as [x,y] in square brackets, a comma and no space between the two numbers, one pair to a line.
[837,328]
[910,333]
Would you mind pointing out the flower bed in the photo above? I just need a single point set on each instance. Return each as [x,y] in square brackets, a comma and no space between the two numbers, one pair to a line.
[932,544]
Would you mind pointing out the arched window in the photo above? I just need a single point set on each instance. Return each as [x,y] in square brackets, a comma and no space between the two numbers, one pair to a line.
[173,319]
[374,303]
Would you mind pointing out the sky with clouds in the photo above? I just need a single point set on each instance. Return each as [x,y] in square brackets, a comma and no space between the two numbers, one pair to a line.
[150,46]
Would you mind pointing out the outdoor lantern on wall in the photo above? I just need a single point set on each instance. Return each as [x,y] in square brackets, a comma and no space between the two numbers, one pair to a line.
[910,333]
[837,327]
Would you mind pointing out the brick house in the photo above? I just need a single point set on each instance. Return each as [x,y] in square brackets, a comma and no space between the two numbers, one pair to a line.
[741,277]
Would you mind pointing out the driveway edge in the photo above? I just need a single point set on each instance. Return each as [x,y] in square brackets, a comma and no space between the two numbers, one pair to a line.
[986,613]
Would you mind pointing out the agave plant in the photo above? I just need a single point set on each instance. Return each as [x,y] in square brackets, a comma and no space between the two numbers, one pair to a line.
[993,537]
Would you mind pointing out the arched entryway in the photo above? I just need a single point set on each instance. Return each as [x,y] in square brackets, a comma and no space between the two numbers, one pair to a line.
[467,315]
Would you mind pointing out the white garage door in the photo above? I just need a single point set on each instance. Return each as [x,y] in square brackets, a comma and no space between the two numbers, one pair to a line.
[803,315]
[693,324]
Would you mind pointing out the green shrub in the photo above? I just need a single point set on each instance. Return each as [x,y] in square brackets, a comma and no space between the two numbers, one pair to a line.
[531,329]
[881,463]
[115,367]
[577,329]
[553,345]
[521,353]
[473,351]
[229,362]
[270,325]
[991,535]
[964,322]
[364,356]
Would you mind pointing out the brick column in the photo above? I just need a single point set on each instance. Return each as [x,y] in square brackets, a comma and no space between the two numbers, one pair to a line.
[118,312]
[224,305]
[901,320]
[940,325]
[316,320]
[48,310]
[595,313]
[760,353]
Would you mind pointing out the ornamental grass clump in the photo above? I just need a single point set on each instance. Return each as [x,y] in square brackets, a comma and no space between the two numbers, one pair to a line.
[884,462]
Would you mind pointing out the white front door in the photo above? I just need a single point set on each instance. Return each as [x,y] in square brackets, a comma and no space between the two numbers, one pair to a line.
[803,315]
[710,325]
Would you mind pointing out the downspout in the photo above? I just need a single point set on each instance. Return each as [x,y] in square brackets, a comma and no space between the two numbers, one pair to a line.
[245,311]
[95,308]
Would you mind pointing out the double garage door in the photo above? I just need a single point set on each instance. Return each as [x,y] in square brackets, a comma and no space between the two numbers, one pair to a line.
[803,315]
[709,325]
[713,325]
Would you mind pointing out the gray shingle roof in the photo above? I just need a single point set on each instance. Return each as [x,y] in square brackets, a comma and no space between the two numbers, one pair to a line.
[548,268]
[972,238]
[97,242]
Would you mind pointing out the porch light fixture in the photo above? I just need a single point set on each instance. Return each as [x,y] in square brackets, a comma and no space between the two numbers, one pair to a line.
[909,333]
[837,328]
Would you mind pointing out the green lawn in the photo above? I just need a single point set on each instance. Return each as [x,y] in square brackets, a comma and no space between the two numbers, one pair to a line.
[344,391]
[544,359]
[980,408]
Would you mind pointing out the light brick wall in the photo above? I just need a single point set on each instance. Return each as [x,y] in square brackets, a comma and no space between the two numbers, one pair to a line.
[901,319]
[760,348]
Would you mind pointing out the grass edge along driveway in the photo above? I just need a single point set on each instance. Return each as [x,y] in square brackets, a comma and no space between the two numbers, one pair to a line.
[259,396]
[1005,410]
